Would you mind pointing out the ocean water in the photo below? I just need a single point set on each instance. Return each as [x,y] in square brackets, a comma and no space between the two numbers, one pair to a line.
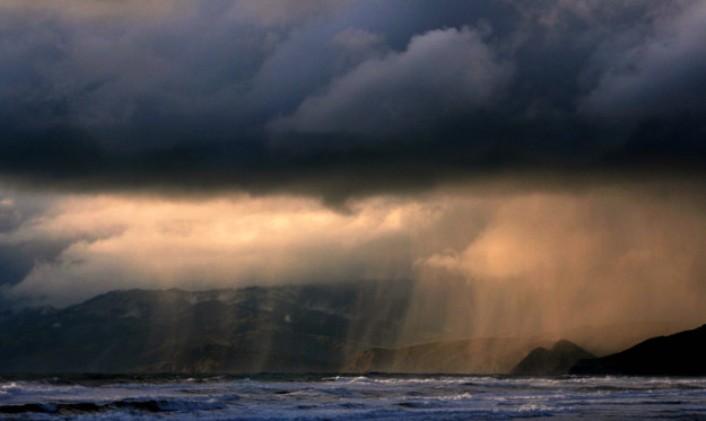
[349,397]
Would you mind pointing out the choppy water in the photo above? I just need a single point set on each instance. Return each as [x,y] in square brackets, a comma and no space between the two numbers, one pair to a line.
[374,397]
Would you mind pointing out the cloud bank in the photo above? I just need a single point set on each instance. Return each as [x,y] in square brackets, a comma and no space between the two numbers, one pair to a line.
[340,99]
[406,91]
[526,263]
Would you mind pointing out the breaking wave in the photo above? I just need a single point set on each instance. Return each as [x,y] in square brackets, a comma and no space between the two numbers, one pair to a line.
[351,397]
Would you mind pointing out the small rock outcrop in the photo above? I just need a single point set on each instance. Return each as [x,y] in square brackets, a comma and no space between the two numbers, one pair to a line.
[551,362]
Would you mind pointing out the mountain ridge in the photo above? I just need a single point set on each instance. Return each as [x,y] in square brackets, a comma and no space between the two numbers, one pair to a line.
[352,327]
[291,328]
[680,354]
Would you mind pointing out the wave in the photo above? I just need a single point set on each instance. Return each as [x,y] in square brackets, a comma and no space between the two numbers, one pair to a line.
[132,405]
[355,397]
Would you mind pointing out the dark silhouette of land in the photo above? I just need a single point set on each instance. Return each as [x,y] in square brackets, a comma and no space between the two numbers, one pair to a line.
[681,354]
[551,362]
[306,328]
[276,329]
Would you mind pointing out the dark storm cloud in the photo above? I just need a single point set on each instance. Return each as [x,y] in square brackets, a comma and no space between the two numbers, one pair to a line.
[338,98]
[406,91]
[20,252]
[18,260]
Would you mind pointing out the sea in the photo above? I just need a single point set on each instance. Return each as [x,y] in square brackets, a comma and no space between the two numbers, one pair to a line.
[381,397]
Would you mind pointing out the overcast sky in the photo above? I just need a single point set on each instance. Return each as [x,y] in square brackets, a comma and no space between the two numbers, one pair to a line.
[159,143]
[340,98]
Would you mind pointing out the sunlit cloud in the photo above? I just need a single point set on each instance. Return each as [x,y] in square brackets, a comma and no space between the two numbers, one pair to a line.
[550,261]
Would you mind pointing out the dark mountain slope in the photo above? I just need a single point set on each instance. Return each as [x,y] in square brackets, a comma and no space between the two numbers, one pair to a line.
[500,355]
[681,354]
[293,328]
